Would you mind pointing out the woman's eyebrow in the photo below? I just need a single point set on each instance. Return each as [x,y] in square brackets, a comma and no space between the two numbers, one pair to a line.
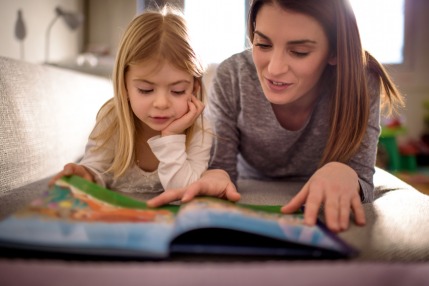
[261,35]
[294,42]
[302,42]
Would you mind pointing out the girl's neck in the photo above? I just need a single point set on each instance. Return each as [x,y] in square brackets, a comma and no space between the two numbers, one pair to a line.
[144,157]
[144,132]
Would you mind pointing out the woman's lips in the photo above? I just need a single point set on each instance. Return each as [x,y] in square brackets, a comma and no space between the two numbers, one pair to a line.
[277,85]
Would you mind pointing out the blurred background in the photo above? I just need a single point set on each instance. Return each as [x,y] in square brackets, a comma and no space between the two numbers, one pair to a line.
[83,35]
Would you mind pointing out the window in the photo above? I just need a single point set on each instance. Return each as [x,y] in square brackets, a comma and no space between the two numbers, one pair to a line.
[381,25]
[217,31]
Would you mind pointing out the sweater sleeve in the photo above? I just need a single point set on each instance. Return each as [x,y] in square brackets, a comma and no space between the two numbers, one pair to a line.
[181,165]
[223,110]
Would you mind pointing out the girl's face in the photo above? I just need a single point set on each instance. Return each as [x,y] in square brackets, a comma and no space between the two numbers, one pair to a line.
[158,95]
[290,51]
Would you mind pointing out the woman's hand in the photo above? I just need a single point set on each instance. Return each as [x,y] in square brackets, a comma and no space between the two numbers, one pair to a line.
[178,126]
[215,183]
[72,169]
[336,187]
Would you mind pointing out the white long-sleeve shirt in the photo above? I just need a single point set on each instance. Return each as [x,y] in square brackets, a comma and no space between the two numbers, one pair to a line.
[178,166]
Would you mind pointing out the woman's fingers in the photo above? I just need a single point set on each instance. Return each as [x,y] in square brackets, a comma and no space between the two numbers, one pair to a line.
[166,197]
[358,211]
[297,201]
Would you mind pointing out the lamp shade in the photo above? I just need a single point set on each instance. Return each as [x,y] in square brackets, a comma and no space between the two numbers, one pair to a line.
[72,20]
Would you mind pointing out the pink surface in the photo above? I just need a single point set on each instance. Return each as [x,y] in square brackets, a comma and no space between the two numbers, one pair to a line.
[34,272]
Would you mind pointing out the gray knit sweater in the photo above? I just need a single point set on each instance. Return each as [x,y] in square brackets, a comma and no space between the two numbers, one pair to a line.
[250,142]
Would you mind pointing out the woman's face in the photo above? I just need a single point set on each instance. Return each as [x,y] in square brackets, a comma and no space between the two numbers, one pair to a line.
[290,51]
[158,95]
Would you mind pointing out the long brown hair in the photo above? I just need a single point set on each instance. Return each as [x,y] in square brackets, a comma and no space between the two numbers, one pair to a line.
[350,102]
[160,35]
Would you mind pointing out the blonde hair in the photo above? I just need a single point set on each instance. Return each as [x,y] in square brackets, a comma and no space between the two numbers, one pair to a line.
[159,35]
[350,96]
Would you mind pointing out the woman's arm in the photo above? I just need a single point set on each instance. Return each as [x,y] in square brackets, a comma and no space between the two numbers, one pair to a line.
[223,109]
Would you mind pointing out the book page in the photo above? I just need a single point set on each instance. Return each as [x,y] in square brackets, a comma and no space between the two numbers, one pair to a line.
[269,222]
[78,215]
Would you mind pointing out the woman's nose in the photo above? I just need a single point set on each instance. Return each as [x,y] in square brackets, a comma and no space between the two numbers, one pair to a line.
[278,63]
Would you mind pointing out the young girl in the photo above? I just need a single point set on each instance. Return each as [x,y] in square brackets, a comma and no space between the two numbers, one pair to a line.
[303,103]
[151,136]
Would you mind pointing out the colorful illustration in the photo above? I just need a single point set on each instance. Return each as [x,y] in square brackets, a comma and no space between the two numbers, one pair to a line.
[66,202]
[80,217]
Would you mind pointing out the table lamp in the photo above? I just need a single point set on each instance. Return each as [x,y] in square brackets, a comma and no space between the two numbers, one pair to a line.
[72,20]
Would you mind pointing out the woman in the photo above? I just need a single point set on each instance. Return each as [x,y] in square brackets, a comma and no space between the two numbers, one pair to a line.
[303,103]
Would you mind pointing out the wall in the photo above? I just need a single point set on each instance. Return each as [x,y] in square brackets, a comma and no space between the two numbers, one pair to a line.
[37,15]
[107,20]
[412,79]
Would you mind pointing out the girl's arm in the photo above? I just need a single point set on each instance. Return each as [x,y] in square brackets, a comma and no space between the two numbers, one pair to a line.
[97,161]
[179,165]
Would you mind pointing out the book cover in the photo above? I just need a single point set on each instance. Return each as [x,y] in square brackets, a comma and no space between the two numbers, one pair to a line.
[80,217]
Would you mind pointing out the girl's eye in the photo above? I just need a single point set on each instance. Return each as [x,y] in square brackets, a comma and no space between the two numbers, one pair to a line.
[178,92]
[145,91]
[262,46]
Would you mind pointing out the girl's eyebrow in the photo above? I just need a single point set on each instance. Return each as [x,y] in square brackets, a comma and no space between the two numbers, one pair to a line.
[173,83]
[295,42]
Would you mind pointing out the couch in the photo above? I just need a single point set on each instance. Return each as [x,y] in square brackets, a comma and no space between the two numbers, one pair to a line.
[46,114]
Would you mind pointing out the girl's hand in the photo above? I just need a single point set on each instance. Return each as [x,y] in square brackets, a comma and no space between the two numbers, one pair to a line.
[72,169]
[179,125]
[215,183]
[336,186]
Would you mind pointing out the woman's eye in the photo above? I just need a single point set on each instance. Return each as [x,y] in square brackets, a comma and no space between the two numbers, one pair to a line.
[145,91]
[262,46]
[300,54]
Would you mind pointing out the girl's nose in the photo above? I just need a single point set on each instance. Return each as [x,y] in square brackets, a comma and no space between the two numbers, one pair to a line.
[278,63]
[161,101]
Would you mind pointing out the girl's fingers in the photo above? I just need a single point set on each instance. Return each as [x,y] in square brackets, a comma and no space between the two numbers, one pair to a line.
[231,193]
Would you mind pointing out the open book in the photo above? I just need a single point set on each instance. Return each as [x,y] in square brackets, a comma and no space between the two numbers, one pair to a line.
[80,217]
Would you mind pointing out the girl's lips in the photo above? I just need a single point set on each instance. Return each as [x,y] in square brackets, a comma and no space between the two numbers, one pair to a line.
[159,119]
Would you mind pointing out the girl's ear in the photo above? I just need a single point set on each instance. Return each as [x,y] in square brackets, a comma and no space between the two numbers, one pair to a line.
[197,87]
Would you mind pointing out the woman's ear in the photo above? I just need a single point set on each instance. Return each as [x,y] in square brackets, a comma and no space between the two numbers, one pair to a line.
[332,60]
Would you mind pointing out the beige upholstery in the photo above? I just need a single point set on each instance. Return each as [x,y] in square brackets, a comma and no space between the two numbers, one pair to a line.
[46,115]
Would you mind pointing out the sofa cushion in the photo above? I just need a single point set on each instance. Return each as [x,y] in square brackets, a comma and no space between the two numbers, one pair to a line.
[46,115]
